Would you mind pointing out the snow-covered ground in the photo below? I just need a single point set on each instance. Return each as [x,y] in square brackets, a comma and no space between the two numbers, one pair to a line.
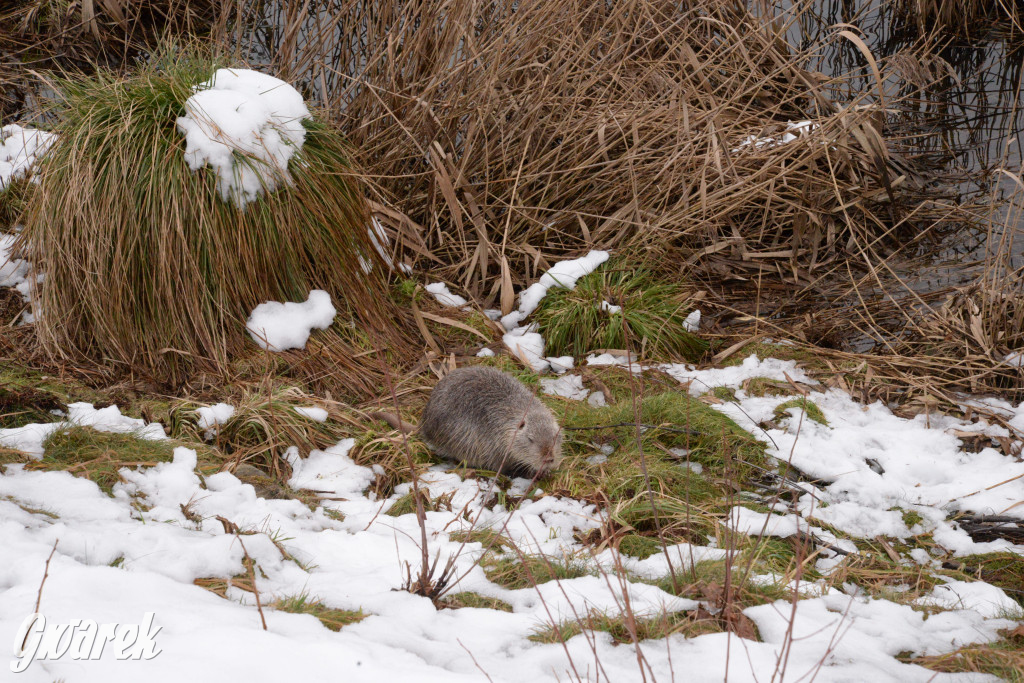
[349,555]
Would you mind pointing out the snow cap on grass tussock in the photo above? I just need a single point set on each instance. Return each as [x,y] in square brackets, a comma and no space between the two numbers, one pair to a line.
[19,149]
[279,326]
[247,112]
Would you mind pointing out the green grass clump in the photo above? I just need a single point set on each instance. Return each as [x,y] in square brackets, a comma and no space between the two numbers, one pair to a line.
[468,599]
[764,386]
[652,315]
[811,410]
[678,420]
[513,572]
[333,619]
[766,350]
[724,394]
[98,456]
[488,538]
[640,547]
[147,267]
[910,518]
[660,626]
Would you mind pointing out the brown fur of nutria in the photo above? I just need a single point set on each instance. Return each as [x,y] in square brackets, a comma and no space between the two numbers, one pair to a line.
[489,420]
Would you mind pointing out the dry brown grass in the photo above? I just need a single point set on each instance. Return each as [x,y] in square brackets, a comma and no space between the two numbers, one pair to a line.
[503,135]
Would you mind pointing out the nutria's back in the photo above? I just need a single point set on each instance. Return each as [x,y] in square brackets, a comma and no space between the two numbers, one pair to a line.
[490,420]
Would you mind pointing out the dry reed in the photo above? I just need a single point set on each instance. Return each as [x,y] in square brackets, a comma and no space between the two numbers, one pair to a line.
[504,135]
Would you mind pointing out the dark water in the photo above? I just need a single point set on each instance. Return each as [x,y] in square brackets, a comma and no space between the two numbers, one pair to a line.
[963,95]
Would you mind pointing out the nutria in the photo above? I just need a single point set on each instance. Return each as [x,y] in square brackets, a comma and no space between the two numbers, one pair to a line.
[488,420]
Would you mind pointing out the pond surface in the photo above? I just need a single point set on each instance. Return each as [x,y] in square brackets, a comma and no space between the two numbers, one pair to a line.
[972,106]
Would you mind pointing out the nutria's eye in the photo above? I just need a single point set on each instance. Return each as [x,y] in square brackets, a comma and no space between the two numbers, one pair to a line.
[522,424]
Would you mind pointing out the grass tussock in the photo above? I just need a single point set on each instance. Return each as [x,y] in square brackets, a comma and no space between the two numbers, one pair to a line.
[264,425]
[693,456]
[474,600]
[147,267]
[651,319]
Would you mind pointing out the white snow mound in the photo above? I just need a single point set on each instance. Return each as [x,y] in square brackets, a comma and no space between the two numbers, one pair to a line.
[279,326]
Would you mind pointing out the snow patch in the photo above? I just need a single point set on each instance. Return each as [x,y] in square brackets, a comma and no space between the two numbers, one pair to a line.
[19,149]
[445,297]
[29,438]
[279,326]
[314,413]
[212,417]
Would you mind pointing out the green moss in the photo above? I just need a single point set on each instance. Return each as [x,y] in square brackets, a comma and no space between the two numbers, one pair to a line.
[682,431]
[98,456]
[488,538]
[764,386]
[811,410]
[405,290]
[332,618]
[765,350]
[911,518]
[651,316]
